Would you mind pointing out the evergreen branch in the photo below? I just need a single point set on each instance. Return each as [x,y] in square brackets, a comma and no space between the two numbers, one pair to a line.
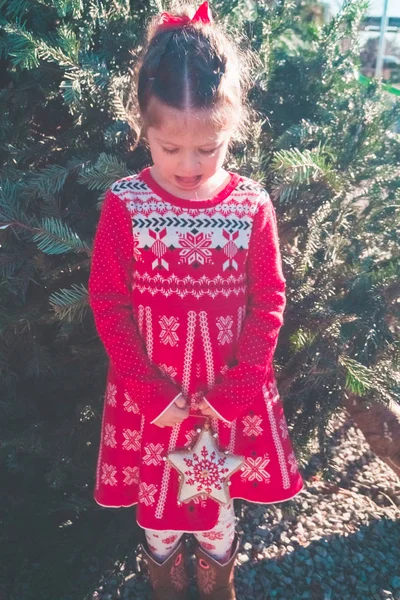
[65,7]
[70,304]
[103,173]
[299,134]
[15,8]
[56,237]
[51,180]
[20,46]
[301,167]
[40,362]
[314,238]
[359,378]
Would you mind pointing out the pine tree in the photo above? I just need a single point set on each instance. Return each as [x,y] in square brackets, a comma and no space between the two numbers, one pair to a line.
[324,145]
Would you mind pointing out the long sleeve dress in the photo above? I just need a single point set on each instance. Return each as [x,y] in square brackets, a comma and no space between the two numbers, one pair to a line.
[188,296]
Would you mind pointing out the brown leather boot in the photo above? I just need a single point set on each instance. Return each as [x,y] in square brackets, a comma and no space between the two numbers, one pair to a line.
[170,579]
[215,579]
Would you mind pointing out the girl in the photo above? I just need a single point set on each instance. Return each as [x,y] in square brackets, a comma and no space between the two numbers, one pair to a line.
[188,295]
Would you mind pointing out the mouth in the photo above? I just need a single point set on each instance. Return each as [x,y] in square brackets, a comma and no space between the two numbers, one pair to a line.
[188,182]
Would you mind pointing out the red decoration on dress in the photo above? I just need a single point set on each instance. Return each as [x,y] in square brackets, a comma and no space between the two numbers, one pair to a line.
[203,14]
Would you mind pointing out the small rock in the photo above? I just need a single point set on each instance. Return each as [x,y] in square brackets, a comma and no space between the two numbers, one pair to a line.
[395,582]
[247,546]
[243,558]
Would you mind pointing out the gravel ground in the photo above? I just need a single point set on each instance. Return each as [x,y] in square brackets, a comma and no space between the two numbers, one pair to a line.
[337,540]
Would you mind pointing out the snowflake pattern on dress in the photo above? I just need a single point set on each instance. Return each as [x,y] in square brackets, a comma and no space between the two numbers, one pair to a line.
[254,468]
[190,437]
[159,248]
[130,405]
[169,371]
[272,390]
[147,493]
[168,333]
[195,248]
[252,425]
[132,439]
[108,473]
[154,454]
[230,249]
[109,435]
[110,394]
[136,252]
[284,428]
[225,335]
[131,475]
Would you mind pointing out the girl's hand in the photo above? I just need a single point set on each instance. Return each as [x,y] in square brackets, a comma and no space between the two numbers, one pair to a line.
[176,413]
[206,410]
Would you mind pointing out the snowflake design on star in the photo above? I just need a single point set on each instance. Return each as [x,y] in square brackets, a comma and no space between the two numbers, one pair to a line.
[131,475]
[132,439]
[195,248]
[108,473]
[110,394]
[225,335]
[293,463]
[154,454]
[168,333]
[252,425]
[130,405]
[284,428]
[147,493]
[109,435]
[254,468]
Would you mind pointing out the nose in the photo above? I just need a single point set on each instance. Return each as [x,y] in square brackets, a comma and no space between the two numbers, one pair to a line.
[189,165]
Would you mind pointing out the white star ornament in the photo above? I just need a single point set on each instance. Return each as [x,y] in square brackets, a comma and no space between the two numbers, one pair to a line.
[204,470]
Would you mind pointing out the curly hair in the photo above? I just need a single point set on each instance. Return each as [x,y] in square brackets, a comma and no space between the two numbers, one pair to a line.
[196,66]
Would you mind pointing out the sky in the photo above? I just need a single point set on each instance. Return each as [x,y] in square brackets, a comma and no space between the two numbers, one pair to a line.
[376,7]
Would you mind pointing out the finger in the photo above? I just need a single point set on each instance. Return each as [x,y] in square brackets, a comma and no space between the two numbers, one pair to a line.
[180,403]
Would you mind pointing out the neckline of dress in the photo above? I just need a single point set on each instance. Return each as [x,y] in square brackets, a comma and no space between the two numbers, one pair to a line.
[186,202]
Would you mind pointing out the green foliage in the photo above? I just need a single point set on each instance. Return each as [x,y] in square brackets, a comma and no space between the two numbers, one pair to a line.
[326,146]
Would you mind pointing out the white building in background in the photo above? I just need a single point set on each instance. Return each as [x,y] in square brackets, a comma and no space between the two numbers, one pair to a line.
[370,34]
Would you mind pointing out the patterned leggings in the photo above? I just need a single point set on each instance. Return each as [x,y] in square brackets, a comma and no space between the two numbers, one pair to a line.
[217,542]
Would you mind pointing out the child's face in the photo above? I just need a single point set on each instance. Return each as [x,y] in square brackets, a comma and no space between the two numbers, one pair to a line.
[186,149]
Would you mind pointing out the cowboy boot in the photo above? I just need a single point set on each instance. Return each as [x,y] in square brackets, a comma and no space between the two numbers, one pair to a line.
[214,579]
[169,579]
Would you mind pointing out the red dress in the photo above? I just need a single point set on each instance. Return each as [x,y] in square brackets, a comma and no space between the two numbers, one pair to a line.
[188,296]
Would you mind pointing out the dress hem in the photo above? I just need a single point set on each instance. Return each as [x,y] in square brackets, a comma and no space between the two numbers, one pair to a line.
[201,530]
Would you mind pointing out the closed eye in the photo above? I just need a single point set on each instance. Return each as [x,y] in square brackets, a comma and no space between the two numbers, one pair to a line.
[175,150]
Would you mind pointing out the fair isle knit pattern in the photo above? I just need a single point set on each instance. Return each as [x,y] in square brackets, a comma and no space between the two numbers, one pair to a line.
[188,296]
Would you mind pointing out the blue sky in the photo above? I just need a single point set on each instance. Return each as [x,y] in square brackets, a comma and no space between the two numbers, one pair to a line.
[376,7]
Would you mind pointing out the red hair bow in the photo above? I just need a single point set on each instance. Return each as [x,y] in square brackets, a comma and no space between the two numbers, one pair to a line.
[203,14]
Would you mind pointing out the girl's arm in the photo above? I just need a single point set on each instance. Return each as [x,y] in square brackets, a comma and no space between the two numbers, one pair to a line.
[232,395]
[110,300]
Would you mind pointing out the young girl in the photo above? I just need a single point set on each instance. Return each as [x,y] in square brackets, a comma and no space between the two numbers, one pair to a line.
[188,295]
